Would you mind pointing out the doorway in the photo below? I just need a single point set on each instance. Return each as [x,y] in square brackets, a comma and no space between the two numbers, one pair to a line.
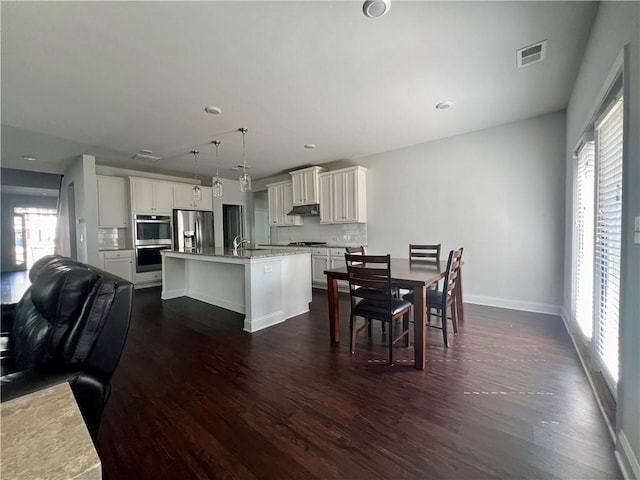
[232,223]
[34,232]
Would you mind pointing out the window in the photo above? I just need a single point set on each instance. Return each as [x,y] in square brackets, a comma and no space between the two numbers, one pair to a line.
[585,236]
[598,230]
[608,238]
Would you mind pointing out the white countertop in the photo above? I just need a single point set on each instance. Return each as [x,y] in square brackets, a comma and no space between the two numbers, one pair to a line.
[243,253]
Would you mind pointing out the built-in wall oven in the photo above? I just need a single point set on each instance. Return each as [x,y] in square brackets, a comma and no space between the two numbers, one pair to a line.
[153,234]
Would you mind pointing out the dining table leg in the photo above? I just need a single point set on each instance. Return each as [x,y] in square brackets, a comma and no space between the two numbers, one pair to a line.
[334,308]
[419,329]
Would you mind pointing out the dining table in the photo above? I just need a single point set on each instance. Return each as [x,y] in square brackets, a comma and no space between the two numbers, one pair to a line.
[405,274]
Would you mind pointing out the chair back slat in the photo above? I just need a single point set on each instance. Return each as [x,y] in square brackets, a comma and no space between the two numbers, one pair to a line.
[369,277]
[424,253]
[453,272]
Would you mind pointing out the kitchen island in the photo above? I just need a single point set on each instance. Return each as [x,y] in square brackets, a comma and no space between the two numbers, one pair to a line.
[267,286]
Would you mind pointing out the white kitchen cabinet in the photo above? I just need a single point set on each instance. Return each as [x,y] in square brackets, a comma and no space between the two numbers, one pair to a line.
[113,208]
[305,185]
[151,196]
[326,198]
[323,259]
[319,264]
[280,203]
[183,197]
[120,263]
[343,195]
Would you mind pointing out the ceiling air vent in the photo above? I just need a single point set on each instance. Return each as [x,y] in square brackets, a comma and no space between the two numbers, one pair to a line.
[146,155]
[532,54]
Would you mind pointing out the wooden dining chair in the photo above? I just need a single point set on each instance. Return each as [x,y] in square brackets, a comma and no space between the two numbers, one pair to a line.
[359,250]
[441,300]
[371,296]
[425,254]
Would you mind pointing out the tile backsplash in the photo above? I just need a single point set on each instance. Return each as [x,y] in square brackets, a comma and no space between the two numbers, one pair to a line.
[346,234]
[113,238]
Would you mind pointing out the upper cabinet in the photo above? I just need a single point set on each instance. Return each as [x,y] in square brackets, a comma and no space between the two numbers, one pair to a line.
[280,196]
[183,197]
[305,185]
[151,196]
[112,202]
[343,195]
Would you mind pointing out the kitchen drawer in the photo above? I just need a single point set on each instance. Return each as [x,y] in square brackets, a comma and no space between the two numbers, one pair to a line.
[118,254]
[319,251]
[337,252]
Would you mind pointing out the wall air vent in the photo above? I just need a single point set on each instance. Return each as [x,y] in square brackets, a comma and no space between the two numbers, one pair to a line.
[532,54]
[146,155]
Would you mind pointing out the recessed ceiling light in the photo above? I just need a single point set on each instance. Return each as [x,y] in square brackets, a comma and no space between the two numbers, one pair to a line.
[444,105]
[310,146]
[30,158]
[213,110]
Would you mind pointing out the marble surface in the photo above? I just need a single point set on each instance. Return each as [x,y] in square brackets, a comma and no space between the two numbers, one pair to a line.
[328,245]
[245,253]
[44,437]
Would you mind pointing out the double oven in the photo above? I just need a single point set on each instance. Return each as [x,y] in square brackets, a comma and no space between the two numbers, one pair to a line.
[153,234]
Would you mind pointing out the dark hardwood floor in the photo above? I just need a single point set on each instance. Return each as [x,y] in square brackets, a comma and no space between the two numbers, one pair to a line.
[196,397]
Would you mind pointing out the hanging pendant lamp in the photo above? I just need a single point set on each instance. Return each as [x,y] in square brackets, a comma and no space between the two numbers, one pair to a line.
[245,178]
[196,191]
[217,187]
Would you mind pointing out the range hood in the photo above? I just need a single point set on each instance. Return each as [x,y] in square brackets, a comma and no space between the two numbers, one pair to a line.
[312,210]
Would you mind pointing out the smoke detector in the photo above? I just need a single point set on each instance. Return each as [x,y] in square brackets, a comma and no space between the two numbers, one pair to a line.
[531,54]
[376,8]
[146,155]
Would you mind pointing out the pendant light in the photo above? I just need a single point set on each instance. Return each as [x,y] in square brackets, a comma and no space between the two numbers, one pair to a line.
[245,178]
[218,188]
[196,191]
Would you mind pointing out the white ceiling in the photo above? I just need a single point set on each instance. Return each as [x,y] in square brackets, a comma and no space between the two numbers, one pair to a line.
[111,78]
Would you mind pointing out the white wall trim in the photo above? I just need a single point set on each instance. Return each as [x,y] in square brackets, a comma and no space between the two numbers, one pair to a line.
[626,458]
[258,323]
[169,294]
[514,304]
[587,372]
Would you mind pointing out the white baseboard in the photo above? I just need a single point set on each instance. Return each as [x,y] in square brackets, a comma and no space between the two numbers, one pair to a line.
[254,324]
[513,304]
[627,460]
[169,294]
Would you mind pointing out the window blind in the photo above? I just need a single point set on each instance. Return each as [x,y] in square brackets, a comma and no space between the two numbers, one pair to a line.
[608,238]
[584,235]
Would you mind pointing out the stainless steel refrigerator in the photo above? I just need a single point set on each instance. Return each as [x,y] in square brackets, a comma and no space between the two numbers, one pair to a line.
[192,230]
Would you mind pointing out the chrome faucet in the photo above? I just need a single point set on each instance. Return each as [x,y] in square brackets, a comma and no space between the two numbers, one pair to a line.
[238,242]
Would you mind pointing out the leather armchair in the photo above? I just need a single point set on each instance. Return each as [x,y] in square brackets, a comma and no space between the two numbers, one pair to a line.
[70,325]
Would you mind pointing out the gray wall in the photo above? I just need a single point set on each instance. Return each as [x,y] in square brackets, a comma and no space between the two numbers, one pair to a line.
[617,24]
[499,193]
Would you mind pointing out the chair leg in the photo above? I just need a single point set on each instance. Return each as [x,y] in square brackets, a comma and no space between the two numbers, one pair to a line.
[390,343]
[443,317]
[405,328]
[454,318]
[369,329]
[352,338]
[384,327]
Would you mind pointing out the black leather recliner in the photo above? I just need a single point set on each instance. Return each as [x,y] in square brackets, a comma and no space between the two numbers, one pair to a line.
[70,325]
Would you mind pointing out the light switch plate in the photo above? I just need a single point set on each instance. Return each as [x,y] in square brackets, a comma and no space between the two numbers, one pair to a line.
[636,238]
[636,228]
